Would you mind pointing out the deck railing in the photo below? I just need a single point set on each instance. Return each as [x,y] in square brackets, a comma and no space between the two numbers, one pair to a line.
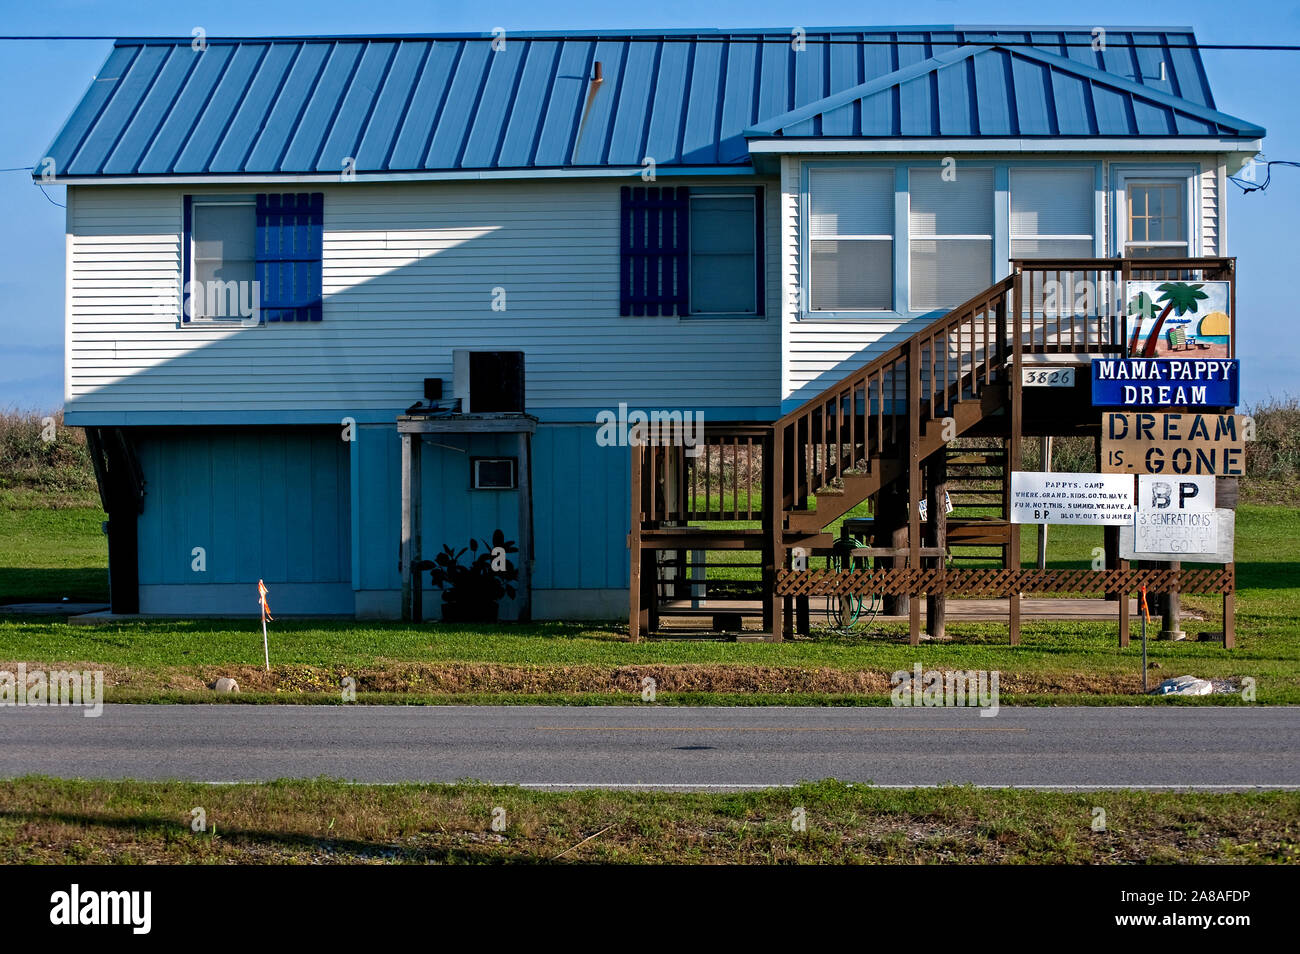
[718,478]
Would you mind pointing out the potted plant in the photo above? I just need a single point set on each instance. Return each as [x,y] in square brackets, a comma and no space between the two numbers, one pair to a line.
[472,591]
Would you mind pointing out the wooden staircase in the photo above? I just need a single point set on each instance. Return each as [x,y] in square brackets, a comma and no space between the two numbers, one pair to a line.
[884,433]
[860,436]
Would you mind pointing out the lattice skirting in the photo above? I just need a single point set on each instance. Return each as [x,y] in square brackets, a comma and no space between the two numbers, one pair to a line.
[999,582]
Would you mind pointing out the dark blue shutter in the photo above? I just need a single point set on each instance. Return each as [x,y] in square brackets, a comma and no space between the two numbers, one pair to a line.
[653,246]
[289,231]
[187,275]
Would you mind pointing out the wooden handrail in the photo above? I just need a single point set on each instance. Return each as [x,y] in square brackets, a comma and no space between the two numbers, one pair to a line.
[899,351]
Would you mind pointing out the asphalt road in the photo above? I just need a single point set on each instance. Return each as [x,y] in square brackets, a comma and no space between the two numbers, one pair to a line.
[563,747]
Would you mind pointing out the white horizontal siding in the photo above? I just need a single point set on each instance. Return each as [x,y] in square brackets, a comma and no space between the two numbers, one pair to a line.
[408,275]
[1210,244]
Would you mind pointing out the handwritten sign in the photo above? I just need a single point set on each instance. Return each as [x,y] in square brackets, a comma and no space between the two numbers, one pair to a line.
[1173,443]
[1175,515]
[1179,536]
[1071,498]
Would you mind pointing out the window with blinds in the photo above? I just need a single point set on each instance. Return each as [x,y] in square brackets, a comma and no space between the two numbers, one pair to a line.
[1053,213]
[951,236]
[851,239]
[724,247]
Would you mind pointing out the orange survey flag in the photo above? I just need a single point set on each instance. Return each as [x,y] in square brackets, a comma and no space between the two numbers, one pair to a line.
[1145,612]
[261,598]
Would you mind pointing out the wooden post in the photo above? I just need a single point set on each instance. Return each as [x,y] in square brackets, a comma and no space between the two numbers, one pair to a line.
[914,483]
[1170,606]
[1109,538]
[634,619]
[890,524]
[803,616]
[937,479]
[774,518]
[1013,452]
[525,477]
[1045,444]
[1230,612]
[1123,595]
[410,543]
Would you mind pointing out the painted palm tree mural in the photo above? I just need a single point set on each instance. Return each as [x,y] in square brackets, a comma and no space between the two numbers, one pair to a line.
[1178,298]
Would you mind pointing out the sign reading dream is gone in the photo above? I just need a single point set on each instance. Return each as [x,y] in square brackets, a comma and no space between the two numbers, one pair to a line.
[1139,443]
[1071,498]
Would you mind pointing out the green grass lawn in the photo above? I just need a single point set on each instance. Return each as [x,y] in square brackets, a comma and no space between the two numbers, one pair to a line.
[46,821]
[49,554]
[594,662]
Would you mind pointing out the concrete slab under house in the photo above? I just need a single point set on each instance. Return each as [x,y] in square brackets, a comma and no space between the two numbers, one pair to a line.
[336,302]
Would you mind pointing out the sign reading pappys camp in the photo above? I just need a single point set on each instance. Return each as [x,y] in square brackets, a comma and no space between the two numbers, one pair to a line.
[1165,382]
[1173,443]
[1071,498]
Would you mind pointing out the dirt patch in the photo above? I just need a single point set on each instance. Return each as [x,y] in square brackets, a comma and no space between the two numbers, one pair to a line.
[491,679]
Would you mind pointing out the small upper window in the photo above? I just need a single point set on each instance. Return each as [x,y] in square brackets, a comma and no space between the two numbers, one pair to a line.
[724,254]
[1052,213]
[223,259]
[851,239]
[951,225]
[1156,219]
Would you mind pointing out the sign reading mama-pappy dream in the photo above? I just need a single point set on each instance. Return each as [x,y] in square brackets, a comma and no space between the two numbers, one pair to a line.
[1165,382]
[1175,444]
[1071,498]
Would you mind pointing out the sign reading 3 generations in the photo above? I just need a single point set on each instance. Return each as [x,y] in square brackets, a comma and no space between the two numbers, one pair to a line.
[1165,382]
[1173,443]
[1175,515]
[1071,498]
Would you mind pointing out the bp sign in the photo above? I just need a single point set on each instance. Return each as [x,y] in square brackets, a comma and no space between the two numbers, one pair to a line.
[1165,382]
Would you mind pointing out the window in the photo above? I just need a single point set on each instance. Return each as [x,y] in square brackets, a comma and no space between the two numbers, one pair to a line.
[253,259]
[851,239]
[724,240]
[951,236]
[1156,218]
[690,251]
[224,265]
[1053,213]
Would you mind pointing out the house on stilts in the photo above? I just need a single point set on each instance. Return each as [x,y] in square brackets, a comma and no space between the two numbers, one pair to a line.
[334,302]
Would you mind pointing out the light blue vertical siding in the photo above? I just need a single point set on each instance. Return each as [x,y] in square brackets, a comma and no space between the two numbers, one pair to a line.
[264,504]
[452,513]
[580,505]
[580,510]
[376,507]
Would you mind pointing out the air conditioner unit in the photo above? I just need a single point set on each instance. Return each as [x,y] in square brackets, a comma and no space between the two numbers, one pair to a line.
[494,473]
[488,382]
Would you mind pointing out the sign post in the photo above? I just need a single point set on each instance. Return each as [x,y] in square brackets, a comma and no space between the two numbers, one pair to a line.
[1145,617]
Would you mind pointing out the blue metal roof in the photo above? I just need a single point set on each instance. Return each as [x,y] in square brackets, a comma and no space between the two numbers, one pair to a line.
[980,90]
[685,98]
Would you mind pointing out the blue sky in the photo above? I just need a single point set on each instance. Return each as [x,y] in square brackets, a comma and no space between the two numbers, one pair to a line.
[40,82]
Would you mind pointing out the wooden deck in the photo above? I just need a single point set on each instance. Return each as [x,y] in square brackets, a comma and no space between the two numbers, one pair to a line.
[965,610]
[885,434]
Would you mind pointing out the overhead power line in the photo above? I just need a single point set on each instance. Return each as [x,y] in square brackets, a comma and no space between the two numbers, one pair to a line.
[812,38]
[1252,185]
